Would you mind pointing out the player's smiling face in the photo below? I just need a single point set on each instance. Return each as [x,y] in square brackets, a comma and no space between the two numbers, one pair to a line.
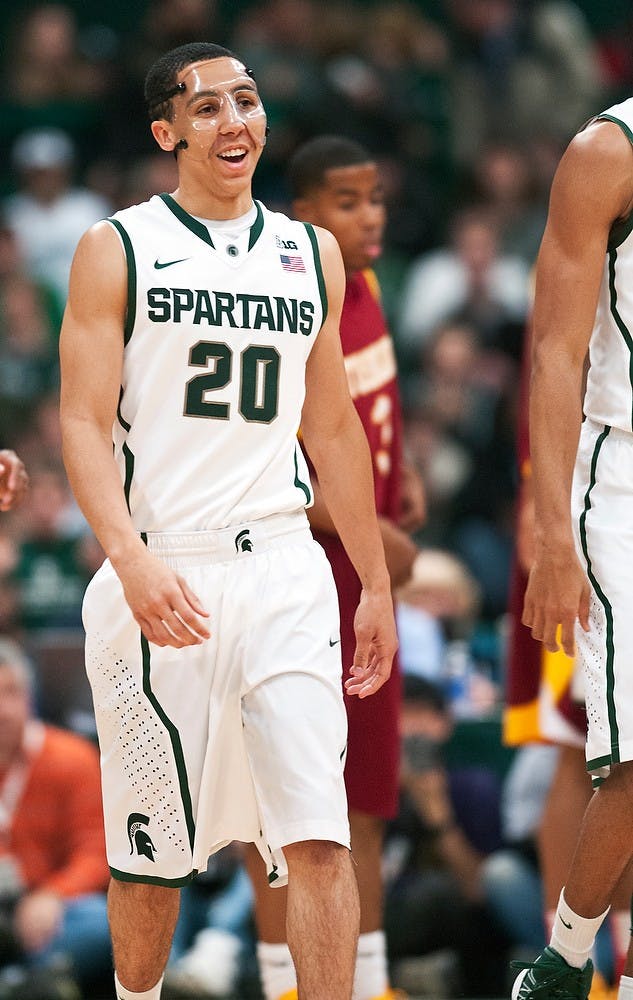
[220,117]
[350,203]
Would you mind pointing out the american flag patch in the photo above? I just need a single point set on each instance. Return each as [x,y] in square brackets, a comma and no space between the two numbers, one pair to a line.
[292,263]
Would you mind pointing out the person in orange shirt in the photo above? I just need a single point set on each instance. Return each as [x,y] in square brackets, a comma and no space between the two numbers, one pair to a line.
[53,870]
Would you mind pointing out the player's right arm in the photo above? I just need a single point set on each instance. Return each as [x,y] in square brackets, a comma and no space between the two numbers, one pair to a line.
[593,187]
[91,353]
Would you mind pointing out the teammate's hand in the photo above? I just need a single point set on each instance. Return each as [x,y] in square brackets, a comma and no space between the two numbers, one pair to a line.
[166,609]
[376,644]
[14,480]
[557,593]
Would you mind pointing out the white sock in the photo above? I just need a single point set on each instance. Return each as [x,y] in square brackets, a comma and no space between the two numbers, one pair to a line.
[370,978]
[123,994]
[276,969]
[573,935]
[626,988]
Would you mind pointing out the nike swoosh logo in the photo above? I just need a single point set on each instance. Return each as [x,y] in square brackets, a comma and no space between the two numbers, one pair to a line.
[169,263]
[569,927]
[334,642]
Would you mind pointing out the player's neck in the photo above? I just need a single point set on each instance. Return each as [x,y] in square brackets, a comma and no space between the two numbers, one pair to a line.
[208,205]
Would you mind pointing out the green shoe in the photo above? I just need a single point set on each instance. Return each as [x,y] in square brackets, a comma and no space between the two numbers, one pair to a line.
[551,978]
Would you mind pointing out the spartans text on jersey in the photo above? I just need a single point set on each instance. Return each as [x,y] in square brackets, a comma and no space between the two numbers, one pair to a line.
[238,311]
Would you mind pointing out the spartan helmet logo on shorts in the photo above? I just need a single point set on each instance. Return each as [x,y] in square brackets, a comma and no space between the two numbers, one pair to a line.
[138,837]
[243,542]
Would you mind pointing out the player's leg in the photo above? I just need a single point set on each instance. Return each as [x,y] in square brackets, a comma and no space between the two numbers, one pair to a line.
[371,981]
[322,919]
[568,797]
[142,920]
[276,967]
[275,962]
[317,915]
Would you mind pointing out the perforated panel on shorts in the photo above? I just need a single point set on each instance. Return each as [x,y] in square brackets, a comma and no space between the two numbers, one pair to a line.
[593,648]
[137,749]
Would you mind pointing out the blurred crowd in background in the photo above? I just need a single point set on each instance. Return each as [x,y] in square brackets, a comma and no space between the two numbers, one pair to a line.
[466,105]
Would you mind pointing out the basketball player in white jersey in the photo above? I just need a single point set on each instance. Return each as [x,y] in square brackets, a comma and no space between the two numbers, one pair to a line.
[201,330]
[582,577]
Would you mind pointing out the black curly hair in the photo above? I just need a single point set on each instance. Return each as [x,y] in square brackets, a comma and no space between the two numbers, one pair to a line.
[311,161]
[160,82]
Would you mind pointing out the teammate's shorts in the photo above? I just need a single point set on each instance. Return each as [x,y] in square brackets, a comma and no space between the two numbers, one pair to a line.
[240,738]
[372,770]
[602,506]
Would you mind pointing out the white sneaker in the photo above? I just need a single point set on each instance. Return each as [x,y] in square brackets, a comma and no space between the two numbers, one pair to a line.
[210,967]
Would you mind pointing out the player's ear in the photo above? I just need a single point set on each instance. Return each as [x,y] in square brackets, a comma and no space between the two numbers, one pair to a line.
[163,132]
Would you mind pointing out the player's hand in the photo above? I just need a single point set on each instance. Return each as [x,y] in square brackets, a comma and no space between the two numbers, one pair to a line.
[376,643]
[14,480]
[400,552]
[557,593]
[413,499]
[166,609]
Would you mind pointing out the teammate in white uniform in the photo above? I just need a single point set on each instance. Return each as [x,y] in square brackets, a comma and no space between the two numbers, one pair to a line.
[582,577]
[200,331]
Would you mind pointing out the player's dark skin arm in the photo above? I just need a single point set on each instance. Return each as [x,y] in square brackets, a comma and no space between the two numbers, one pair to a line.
[592,188]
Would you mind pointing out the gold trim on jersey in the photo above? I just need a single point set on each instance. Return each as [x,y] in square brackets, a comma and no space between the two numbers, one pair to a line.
[371,368]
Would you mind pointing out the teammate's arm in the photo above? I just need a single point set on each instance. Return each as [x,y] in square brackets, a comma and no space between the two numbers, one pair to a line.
[336,443]
[592,188]
[91,352]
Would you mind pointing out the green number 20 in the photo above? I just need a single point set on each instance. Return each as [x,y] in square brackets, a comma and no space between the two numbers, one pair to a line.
[259,382]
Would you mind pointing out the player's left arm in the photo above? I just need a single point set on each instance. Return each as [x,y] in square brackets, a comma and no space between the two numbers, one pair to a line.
[336,443]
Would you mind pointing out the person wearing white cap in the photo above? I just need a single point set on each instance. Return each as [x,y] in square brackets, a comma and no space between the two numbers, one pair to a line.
[48,214]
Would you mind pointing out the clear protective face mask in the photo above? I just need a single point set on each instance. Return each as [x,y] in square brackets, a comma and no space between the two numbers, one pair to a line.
[207,101]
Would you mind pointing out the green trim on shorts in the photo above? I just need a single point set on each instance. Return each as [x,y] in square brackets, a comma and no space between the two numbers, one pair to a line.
[174,736]
[614,758]
[153,879]
[619,322]
[603,761]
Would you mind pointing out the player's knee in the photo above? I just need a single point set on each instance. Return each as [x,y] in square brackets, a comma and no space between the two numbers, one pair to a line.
[319,856]
[620,780]
[141,894]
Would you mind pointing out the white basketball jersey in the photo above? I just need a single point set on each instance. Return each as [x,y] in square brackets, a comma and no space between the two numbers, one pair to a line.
[216,344]
[609,394]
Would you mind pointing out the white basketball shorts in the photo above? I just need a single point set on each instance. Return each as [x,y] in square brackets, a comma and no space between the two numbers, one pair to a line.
[602,508]
[241,738]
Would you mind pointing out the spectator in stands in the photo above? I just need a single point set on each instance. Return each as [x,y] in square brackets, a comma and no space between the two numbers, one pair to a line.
[519,65]
[448,822]
[505,181]
[48,214]
[14,480]
[469,280]
[54,556]
[53,871]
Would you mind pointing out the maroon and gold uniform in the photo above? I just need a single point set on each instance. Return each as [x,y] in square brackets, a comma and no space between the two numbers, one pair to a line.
[371,772]
[539,705]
